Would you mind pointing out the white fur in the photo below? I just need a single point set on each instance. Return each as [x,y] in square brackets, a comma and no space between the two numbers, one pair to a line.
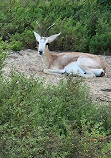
[74,68]
[97,72]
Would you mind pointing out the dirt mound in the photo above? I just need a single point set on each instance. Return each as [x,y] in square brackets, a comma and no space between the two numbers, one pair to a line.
[30,63]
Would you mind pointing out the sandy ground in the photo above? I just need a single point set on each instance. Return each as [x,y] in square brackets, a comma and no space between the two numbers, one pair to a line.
[30,63]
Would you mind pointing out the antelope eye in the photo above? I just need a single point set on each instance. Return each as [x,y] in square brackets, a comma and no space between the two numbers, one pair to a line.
[47,44]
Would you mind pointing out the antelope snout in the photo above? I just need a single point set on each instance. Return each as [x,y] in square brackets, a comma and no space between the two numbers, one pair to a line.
[40,52]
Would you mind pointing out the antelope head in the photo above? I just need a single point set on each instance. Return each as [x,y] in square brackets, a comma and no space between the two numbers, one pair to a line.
[44,41]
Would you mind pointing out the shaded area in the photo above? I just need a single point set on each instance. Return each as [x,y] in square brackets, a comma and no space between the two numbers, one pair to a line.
[106,90]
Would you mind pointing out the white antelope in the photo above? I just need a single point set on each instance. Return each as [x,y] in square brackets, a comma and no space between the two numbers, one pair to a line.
[82,64]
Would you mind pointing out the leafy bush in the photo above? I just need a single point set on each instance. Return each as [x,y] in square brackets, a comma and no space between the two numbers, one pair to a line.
[51,121]
[83,24]
[3,47]
[16,45]
[101,41]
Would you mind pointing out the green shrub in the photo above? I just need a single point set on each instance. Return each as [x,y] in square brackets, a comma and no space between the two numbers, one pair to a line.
[16,45]
[101,41]
[3,47]
[51,121]
[83,24]
[2,57]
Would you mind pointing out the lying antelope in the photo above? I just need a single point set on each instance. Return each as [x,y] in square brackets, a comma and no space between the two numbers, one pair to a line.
[82,64]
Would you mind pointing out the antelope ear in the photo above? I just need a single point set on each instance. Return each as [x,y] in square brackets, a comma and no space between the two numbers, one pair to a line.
[53,37]
[37,36]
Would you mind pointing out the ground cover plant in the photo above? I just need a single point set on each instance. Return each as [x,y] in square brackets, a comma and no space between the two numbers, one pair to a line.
[3,49]
[85,24]
[51,121]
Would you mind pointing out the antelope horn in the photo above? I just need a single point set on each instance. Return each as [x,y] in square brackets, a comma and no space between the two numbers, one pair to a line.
[47,31]
[40,29]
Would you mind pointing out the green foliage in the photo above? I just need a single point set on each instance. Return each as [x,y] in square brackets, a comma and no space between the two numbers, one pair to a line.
[51,121]
[101,41]
[84,24]
[16,45]
[3,47]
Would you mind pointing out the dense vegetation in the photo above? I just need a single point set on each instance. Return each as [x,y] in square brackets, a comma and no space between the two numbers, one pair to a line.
[62,121]
[3,48]
[85,24]
[51,121]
